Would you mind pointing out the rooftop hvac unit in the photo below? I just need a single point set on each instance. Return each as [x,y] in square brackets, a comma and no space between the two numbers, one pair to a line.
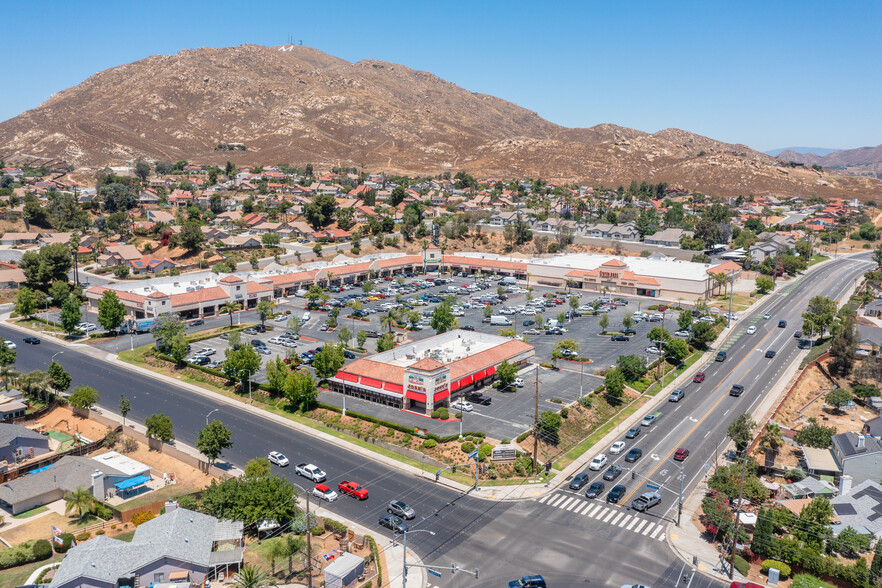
[191,289]
[410,356]
[176,284]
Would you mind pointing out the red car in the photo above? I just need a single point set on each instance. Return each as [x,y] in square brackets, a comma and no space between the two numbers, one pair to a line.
[681,454]
[353,489]
[699,378]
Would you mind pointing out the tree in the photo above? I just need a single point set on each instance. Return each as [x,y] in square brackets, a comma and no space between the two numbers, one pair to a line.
[25,302]
[549,426]
[838,397]
[265,310]
[684,319]
[844,347]
[603,322]
[819,314]
[58,377]
[741,431]
[229,307]
[125,406]
[8,355]
[815,435]
[320,212]
[142,170]
[111,311]
[676,350]
[367,286]
[850,543]
[47,264]
[328,361]
[251,576]
[276,373]
[257,467]
[771,438]
[84,397]
[763,534]
[293,325]
[361,338]
[241,363]
[213,439]
[79,501]
[628,320]
[70,314]
[160,427]
[764,284]
[385,342]
[191,236]
[301,390]
[703,334]
[165,328]
[633,367]
[614,381]
[177,349]
[59,291]
[877,259]
[813,524]
[344,335]
[270,239]
[876,566]
[443,319]
[506,373]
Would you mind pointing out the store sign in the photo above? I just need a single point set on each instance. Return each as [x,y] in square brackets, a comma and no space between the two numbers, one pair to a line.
[609,275]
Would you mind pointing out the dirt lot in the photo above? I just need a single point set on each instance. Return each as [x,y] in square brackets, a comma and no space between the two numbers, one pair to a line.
[63,420]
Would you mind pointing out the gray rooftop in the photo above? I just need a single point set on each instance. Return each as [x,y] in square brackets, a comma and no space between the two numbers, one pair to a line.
[846,444]
[68,473]
[182,535]
[9,433]
[862,507]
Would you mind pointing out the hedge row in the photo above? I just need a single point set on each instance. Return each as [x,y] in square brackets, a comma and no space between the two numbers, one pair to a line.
[27,552]
[375,553]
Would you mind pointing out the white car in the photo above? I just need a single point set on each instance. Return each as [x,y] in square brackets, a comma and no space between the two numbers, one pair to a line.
[324,492]
[751,330]
[598,463]
[653,350]
[275,341]
[767,316]
[207,352]
[463,406]
[682,333]
[281,318]
[311,472]
[519,382]
[86,327]
[617,447]
[277,458]
[9,344]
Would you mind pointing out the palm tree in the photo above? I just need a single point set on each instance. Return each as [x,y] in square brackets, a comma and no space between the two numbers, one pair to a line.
[79,501]
[389,319]
[770,440]
[293,545]
[277,549]
[229,308]
[7,373]
[251,576]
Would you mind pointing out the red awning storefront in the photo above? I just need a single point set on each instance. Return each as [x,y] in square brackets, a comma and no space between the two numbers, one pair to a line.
[416,396]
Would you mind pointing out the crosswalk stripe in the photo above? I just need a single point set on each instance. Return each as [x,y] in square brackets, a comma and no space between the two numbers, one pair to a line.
[566,502]
[640,526]
[632,523]
[594,510]
[624,520]
[648,528]
[654,533]
[575,504]
[544,498]
[582,505]
[661,537]
[616,520]
[609,516]
[556,499]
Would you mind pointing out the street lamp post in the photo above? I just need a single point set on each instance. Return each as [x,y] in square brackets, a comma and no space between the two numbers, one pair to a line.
[53,356]
[581,374]
[404,545]
[209,414]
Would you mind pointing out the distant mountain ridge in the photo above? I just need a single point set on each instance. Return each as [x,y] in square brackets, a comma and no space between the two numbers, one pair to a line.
[297,105]
[863,161]
[801,150]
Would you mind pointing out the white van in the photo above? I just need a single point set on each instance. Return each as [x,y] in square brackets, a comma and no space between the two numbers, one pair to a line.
[305,318]
[301,293]
[500,321]
[508,281]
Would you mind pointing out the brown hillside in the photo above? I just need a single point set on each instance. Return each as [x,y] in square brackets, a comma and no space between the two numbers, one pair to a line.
[298,105]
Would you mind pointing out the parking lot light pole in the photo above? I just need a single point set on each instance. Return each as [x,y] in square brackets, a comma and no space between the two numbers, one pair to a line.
[581,374]
[308,538]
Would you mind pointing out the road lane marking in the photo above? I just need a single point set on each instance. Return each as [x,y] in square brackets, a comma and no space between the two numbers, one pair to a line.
[594,511]
[581,506]
[557,499]
[573,505]
[654,533]
[565,502]
[625,520]
[616,520]
[640,526]
[649,527]
[609,516]
[544,498]
[633,521]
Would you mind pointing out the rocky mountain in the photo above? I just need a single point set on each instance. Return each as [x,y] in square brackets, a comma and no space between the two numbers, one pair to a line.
[815,150]
[863,161]
[297,105]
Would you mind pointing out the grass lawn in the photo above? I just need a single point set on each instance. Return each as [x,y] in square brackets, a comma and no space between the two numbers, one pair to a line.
[598,434]
[817,351]
[30,513]
[127,537]
[817,258]
[164,493]
[18,576]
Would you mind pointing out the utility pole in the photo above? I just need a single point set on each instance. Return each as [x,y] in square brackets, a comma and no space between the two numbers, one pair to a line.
[737,516]
[731,291]
[536,425]
[308,543]
[661,348]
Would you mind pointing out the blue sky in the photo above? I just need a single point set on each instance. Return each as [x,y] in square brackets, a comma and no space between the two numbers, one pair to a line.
[767,74]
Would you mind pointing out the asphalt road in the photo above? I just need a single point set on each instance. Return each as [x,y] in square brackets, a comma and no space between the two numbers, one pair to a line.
[568,540]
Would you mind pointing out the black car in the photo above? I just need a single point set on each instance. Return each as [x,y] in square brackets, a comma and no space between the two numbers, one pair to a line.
[629,332]
[632,432]
[200,360]
[478,398]
[721,356]
[529,323]
[467,328]
[736,390]
[770,353]
[634,455]
[394,523]
[31,340]
[616,493]
[348,354]
[619,338]
[782,324]
[797,334]
[579,481]
[613,472]
[595,489]
[197,322]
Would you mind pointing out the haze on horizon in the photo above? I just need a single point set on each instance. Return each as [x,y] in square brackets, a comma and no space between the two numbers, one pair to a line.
[766,75]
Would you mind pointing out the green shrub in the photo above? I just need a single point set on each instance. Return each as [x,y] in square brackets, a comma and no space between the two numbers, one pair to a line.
[441,413]
[318,530]
[564,412]
[504,441]
[780,566]
[103,512]
[808,581]
[467,447]
[557,400]
[66,541]
[375,555]
[84,536]
[795,474]
[741,565]
[429,444]
[100,532]
[585,401]
[41,550]
[522,436]
[335,526]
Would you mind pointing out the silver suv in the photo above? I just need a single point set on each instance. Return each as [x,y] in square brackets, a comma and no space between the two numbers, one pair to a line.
[677,395]
[399,509]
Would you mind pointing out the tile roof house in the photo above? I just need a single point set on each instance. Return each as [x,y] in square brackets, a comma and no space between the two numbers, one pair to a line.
[17,442]
[11,278]
[181,544]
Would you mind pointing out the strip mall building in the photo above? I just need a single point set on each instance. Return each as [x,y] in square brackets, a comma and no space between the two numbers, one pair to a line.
[425,375]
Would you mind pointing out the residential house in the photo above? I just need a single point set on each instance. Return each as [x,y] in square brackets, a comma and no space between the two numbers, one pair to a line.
[150,265]
[858,456]
[148,196]
[160,216]
[179,548]
[18,443]
[51,238]
[11,278]
[241,242]
[118,254]
[869,339]
[874,308]
[669,237]
[858,507]
[760,251]
[20,238]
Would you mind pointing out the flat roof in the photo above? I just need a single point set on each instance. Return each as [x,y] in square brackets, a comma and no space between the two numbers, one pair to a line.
[445,348]
[121,463]
[820,459]
[662,268]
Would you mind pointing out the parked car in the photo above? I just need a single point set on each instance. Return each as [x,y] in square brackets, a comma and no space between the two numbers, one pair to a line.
[400,509]
[598,463]
[699,378]
[197,322]
[646,501]
[310,472]
[797,335]
[207,352]
[478,398]
[462,405]
[324,492]
[467,328]
[612,472]
[737,390]
[353,489]
[619,338]
[519,382]
[529,323]
[595,489]
[200,360]
[277,458]
[682,333]
[633,455]
[616,493]
[393,523]
[632,433]
[617,447]
[86,327]
[578,481]
[681,454]
[629,332]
